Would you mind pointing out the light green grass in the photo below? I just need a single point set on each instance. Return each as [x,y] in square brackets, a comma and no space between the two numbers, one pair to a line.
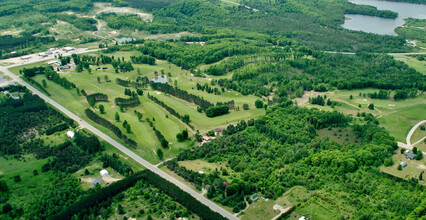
[418,134]
[261,209]
[200,120]
[412,170]
[201,165]
[418,65]
[22,191]
[343,137]
[397,117]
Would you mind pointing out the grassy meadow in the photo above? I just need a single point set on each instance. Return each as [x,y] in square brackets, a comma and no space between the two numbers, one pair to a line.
[398,117]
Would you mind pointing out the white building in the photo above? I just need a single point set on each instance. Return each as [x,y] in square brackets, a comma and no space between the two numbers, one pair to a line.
[70,134]
[66,49]
[104,173]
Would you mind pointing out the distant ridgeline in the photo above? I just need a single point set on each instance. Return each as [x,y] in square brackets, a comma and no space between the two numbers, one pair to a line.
[271,160]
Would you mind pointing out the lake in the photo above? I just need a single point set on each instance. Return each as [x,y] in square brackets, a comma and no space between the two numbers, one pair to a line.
[383,26]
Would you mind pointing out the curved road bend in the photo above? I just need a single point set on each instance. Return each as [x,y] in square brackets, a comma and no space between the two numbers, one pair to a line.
[408,140]
[122,148]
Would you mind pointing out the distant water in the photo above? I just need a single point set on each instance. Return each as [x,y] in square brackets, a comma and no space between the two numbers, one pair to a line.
[384,26]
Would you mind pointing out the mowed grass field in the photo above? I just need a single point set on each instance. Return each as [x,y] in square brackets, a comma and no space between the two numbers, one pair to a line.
[142,133]
[398,117]
[418,65]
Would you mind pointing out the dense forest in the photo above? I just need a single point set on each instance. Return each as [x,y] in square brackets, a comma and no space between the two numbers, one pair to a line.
[282,150]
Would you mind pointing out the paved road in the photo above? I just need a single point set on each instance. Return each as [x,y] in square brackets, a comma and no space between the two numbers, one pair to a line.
[122,148]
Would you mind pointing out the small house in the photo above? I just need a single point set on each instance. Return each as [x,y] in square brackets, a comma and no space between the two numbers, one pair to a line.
[207,187]
[403,164]
[409,154]
[16,96]
[64,67]
[70,134]
[226,184]
[104,173]
[96,181]
[254,197]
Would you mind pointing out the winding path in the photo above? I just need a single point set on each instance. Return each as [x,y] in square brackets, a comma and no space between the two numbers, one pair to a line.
[408,139]
[120,147]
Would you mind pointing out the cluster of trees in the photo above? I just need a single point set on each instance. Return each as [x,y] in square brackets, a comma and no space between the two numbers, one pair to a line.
[208,89]
[92,99]
[83,205]
[225,67]
[50,75]
[59,127]
[382,94]
[26,115]
[143,59]
[305,160]
[129,102]
[212,52]
[218,110]
[128,83]
[160,136]
[98,119]
[115,163]
[83,23]
[370,11]
[185,119]
[182,136]
[404,94]
[179,93]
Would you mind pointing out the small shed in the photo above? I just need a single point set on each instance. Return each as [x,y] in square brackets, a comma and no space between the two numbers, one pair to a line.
[403,164]
[254,197]
[70,134]
[104,173]
[96,181]
[16,96]
[201,172]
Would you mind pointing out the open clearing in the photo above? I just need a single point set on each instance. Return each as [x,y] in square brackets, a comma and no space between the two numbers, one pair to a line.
[398,117]
[412,170]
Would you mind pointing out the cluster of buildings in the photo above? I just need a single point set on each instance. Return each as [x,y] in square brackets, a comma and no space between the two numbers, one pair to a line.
[409,155]
[51,51]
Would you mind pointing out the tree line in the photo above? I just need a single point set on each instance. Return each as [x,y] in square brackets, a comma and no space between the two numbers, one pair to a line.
[98,119]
